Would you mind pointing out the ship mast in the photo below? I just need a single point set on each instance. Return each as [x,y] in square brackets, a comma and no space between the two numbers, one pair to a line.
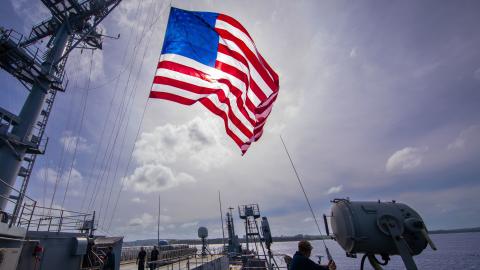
[158,223]
[73,24]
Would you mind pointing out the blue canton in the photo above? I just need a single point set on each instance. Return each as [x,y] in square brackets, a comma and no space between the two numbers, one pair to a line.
[192,34]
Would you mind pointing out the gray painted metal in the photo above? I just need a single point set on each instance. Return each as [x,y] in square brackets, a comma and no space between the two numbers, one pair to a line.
[60,250]
[202,232]
[9,160]
[69,18]
[385,228]
[11,242]
[57,253]
[221,263]
[72,21]
[233,242]
[80,247]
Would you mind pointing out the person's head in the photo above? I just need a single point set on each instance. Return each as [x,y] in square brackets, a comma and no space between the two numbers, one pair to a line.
[110,249]
[142,249]
[305,248]
[154,247]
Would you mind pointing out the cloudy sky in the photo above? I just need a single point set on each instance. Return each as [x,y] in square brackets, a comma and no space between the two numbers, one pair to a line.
[378,100]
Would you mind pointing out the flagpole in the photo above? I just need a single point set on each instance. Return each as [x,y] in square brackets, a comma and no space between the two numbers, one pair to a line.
[158,224]
[221,219]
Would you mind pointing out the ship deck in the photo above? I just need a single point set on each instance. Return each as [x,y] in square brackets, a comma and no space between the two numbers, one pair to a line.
[184,264]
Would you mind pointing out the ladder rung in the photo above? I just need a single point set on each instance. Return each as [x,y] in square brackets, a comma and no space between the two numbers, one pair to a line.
[35,139]
[23,172]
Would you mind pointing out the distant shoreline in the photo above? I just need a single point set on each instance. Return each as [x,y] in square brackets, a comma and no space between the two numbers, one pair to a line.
[465,230]
[150,242]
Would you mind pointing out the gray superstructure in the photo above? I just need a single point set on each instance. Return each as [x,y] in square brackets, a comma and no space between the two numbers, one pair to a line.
[44,237]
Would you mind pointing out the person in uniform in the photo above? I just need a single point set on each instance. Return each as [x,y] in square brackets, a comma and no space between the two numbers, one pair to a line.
[141,259]
[153,258]
[301,259]
[109,260]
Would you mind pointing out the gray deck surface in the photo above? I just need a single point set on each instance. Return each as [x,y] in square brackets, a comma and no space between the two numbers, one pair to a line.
[182,265]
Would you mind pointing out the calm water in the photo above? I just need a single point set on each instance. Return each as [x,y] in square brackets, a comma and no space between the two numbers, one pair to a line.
[455,251]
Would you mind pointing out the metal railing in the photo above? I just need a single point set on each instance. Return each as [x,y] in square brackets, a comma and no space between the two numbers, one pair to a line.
[16,37]
[8,214]
[188,262]
[38,218]
[260,261]
[31,60]
[217,260]
[166,252]
[55,219]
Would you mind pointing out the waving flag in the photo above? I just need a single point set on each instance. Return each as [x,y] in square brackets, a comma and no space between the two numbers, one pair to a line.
[210,58]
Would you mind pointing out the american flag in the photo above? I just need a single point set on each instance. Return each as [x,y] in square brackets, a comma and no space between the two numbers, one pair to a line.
[211,58]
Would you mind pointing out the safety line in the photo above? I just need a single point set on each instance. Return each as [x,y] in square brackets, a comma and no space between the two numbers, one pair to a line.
[306,198]
[94,164]
[74,158]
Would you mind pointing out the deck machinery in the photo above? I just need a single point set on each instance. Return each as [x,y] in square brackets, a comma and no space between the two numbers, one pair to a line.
[257,239]
[42,236]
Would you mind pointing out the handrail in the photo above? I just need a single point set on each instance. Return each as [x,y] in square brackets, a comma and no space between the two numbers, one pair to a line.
[14,189]
[14,217]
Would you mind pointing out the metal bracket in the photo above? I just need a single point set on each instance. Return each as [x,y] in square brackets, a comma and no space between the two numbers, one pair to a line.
[10,146]
[400,243]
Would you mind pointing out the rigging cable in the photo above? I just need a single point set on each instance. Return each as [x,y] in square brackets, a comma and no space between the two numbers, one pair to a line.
[106,163]
[74,158]
[147,46]
[308,201]
[123,114]
[120,116]
[66,145]
[124,57]
[45,177]
[122,185]
[128,164]
[127,112]
[100,85]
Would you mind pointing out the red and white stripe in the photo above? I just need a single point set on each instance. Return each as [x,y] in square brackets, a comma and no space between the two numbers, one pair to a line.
[241,89]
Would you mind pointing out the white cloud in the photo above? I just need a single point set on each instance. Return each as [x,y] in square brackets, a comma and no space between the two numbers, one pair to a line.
[137,200]
[189,224]
[335,189]
[147,220]
[308,219]
[468,135]
[68,141]
[133,15]
[405,159]
[458,143]
[144,220]
[197,141]
[80,63]
[476,74]
[353,53]
[51,175]
[155,177]
[31,12]
[196,144]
